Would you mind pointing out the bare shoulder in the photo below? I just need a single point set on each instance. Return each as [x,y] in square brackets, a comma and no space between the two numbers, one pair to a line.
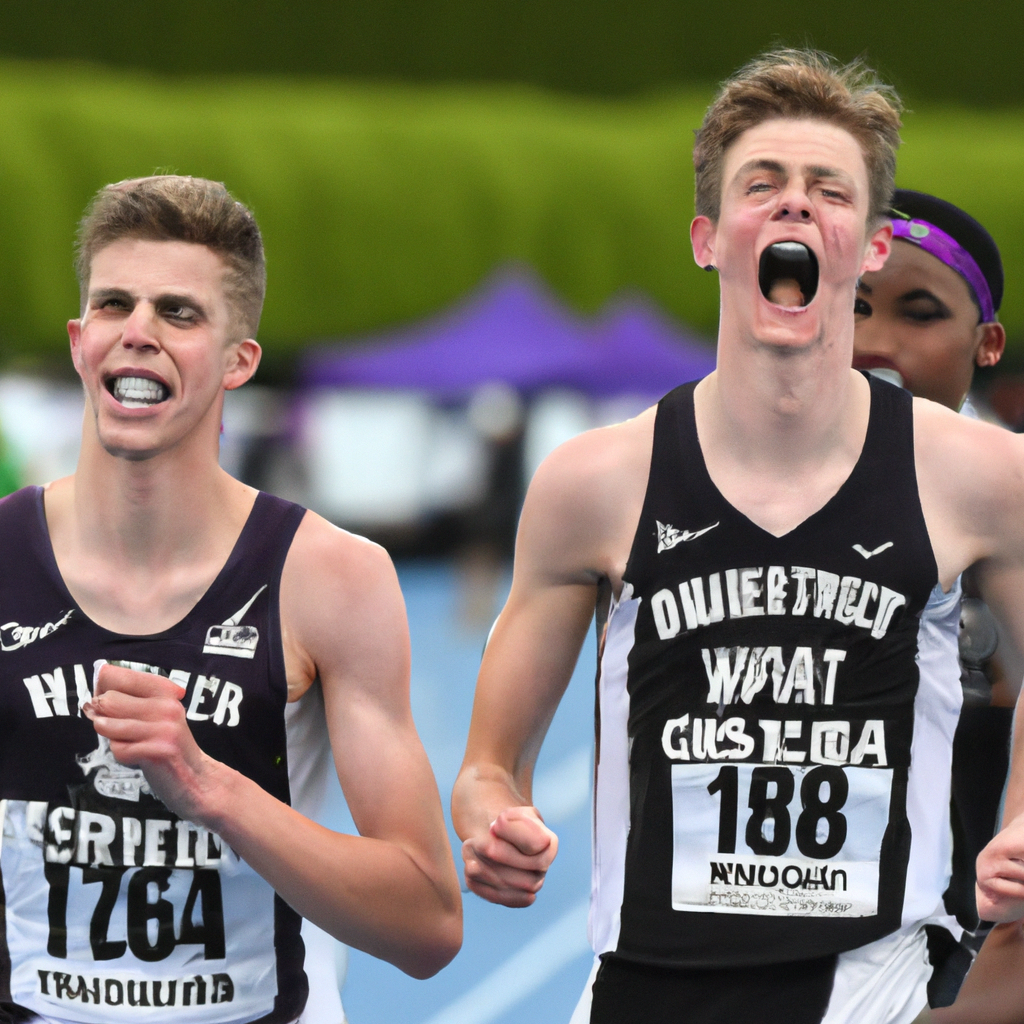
[341,605]
[326,554]
[970,477]
[977,459]
[585,499]
[596,460]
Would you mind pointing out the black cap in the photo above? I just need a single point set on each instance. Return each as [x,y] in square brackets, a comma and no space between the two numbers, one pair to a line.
[961,226]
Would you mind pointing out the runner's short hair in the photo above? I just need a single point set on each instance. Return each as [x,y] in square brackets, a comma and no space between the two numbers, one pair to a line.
[801,84]
[177,208]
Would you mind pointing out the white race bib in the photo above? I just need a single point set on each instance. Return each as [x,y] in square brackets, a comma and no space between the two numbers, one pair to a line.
[782,840]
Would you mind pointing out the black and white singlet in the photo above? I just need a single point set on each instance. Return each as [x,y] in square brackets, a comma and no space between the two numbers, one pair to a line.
[116,910]
[773,751]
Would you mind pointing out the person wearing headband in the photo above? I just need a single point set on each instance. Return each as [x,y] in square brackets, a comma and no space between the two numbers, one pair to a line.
[924,321]
[928,317]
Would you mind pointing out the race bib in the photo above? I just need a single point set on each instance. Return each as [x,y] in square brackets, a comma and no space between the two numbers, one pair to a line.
[780,840]
[124,916]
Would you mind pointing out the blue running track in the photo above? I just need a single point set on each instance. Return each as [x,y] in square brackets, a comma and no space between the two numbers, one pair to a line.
[515,965]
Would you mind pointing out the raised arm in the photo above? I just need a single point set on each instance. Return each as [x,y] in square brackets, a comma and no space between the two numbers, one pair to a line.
[391,891]
[574,534]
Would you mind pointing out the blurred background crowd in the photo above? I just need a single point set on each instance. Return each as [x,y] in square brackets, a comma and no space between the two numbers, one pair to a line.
[476,219]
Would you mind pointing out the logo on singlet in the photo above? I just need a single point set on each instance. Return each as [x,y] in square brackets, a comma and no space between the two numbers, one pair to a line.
[865,554]
[14,636]
[669,536]
[232,638]
[112,778]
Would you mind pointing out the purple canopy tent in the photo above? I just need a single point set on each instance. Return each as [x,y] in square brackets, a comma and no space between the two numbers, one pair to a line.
[637,350]
[513,330]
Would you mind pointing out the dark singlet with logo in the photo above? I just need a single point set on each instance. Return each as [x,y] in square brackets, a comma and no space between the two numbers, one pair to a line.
[115,909]
[769,703]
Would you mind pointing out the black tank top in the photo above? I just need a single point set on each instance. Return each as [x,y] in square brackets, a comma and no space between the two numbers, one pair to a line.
[771,685]
[116,910]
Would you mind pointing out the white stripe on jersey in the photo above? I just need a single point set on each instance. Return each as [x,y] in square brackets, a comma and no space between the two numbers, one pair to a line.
[936,713]
[611,788]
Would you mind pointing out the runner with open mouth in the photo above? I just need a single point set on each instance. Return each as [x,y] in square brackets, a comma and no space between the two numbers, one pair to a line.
[137,392]
[788,274]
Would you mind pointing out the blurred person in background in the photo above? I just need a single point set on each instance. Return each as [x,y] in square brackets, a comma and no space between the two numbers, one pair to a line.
[925,321]
[772,779]
[161,617]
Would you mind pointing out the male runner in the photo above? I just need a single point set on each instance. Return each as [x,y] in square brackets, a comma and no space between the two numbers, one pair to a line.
[770,764]
[152,867]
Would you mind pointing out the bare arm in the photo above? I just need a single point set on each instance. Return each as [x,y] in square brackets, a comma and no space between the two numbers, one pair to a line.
[392,891]
[1000,866]
[576,529]
[993,992]
[971,478]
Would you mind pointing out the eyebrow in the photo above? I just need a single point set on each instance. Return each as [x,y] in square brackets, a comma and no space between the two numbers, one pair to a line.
[921,293]
[814,170]
[828,172]
[761,165]
[160,302]
[862,286]
[101,294]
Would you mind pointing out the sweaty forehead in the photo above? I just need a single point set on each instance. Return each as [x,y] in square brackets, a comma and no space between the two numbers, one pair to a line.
[797,146]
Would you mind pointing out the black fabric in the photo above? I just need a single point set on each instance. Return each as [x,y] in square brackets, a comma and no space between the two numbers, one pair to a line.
[226,652]
[876,509]
[961,226]
[950,963]
[630,993]
[981,760]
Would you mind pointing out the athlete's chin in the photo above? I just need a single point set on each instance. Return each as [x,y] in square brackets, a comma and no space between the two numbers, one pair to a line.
[783,328]
[788,339]
[131,449]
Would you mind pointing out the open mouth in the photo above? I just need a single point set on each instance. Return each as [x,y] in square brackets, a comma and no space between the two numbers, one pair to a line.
[788,274]
[137,392]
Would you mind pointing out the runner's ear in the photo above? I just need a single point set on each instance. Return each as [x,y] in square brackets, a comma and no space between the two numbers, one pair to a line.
[243,359]
[992,344]
[702,238]
[878,248]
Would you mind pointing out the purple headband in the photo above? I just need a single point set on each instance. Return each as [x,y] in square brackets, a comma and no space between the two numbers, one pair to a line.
[947,249]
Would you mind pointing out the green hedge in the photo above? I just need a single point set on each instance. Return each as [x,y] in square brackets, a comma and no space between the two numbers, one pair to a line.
[953,50]
[381,203]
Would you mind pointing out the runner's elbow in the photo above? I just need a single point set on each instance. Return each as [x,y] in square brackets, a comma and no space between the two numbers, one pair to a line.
[437,948]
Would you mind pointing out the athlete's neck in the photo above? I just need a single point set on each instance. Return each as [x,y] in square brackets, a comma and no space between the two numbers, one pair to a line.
[781,430]
[139,541]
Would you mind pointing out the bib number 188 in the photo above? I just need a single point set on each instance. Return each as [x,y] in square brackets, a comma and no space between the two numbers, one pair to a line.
[821,827]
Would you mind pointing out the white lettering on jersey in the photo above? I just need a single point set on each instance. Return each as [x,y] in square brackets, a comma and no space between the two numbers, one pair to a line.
[739,673]
[14,636]
[207,698]
[783,741]
[755,591]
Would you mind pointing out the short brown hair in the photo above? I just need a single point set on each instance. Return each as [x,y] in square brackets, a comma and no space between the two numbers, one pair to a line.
[801,84]
[176,208]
